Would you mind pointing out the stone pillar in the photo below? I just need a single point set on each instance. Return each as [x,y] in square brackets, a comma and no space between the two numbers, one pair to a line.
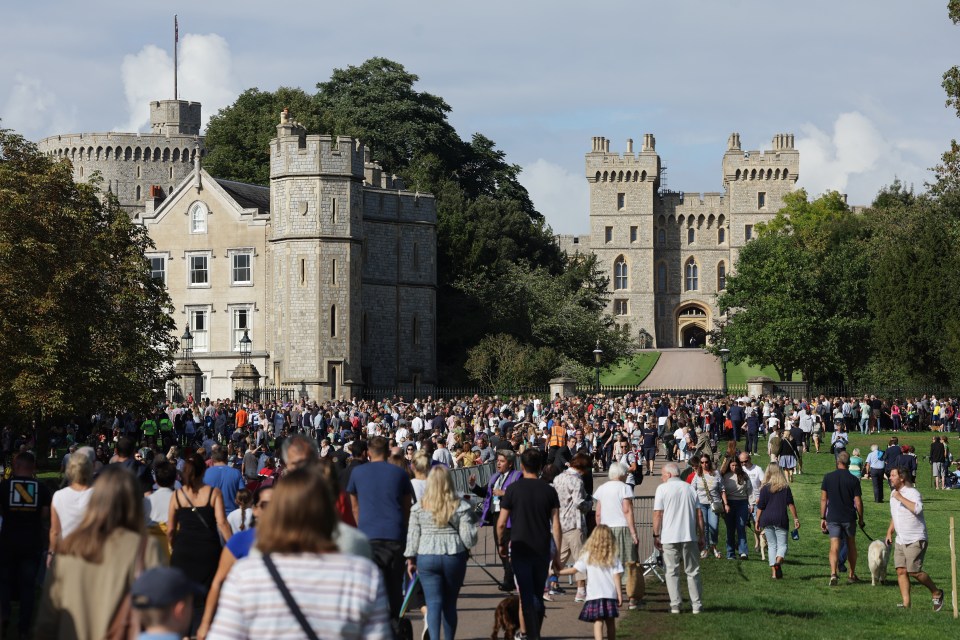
[190,376]
[759,386]
[245,376]
[566,387]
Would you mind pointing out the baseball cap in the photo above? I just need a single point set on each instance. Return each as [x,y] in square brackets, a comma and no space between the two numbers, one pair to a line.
[162,587]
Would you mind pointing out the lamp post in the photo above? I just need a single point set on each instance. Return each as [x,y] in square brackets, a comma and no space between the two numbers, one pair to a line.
[597,357]
[245,343]
[187,370]
[724,358]
[245,376]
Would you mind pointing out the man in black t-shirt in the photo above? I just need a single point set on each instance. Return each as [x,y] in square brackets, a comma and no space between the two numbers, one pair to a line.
[533,508]
[25,508]
[841,510]
[938,456]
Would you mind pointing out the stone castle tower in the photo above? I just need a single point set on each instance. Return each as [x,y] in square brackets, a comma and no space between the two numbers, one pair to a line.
[139,168]
[668,253]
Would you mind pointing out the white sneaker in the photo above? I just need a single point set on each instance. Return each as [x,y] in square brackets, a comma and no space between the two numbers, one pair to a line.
[581,595]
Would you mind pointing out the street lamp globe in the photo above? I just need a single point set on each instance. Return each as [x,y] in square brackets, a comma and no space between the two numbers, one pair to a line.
[725,354]
[598,354]
[245,344]
[186,342]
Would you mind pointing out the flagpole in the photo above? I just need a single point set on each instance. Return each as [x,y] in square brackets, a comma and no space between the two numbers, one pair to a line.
[176,39]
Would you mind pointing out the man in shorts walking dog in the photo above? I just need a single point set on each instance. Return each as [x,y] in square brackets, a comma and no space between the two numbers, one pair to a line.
[906,519]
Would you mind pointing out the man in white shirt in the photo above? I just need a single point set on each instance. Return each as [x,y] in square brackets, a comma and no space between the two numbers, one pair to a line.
[678,532]
[906,518]
[417,424]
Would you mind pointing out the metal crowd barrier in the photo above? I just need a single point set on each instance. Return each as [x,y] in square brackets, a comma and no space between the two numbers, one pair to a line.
[460,477]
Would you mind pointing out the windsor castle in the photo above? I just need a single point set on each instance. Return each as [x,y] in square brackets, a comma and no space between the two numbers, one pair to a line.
[668,254]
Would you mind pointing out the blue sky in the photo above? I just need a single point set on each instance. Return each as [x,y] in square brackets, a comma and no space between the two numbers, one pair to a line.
[857,82]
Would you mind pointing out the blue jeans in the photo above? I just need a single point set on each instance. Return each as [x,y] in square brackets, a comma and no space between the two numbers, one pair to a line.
[441,577]
[530,571]
[736,521]
[864,424]
[711,522]
[776,543]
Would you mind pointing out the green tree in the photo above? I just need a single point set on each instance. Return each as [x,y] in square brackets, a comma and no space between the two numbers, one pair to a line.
[238,137]
[82,324]
[797,299]
[501,362]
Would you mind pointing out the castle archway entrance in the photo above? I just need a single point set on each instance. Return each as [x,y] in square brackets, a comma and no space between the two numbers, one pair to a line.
[692,323]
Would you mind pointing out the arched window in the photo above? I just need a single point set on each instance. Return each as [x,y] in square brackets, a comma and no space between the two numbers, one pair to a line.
[138,186]
[662,237]
[198,218]
[721,235]
[692,274]
[690,235]
[620,273]
[721,276]
[661,278]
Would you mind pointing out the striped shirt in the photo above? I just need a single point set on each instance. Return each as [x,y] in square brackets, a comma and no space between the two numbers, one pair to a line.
[342,596]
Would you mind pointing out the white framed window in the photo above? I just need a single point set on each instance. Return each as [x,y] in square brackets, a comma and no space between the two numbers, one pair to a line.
[199,318]
[241,267]
[158,268]
[692,272]
[620,307]
[620,271]
[198,269]
[241,319]
[198,217]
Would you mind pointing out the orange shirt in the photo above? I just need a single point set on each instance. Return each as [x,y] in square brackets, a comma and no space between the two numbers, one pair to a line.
[241,417]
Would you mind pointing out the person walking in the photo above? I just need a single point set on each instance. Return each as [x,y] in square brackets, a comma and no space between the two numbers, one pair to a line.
[225,478]
[85,592]
[774,500]
[603,569]
[874,468]
[505,475]
[711,501]
[70,503]
[678,533]
[440,534]
[841,510]
[574,502]
[738,489]
[534,509]
[615,509]
[907,520]
[380,498]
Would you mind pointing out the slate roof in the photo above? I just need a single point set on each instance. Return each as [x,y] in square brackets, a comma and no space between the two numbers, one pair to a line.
[248,196]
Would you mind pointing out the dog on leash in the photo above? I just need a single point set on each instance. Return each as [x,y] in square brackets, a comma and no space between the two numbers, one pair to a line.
[760,543]
[878,554]
[506,617]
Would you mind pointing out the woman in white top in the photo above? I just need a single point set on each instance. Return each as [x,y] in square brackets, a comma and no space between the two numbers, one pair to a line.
[70,503]
[615,509]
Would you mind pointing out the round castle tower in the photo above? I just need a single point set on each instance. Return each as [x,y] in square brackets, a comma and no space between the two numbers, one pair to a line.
[136,167]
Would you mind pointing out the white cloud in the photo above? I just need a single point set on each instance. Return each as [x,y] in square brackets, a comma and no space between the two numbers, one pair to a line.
[31,107]
[858,159]
[559,195]
[205,76]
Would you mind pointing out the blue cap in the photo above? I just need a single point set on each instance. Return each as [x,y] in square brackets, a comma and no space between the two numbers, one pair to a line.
[162,587]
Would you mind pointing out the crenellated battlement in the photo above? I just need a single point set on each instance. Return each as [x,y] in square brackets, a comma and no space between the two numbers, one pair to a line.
[294,152]
[604,166]
[781,162]
[692,203]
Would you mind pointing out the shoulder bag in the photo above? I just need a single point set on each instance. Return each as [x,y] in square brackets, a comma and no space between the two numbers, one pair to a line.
[715,505]
[288,597]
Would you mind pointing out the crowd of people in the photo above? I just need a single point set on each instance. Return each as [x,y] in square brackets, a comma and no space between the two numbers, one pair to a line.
[348,507]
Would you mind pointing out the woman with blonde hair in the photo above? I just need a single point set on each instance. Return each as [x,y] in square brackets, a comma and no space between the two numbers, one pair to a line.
[86,594]
[264,594]
[441,531]
[600,562]
[775,498]
[70,503]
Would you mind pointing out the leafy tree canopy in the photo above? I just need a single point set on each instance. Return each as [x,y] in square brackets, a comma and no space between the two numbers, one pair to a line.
[82,324]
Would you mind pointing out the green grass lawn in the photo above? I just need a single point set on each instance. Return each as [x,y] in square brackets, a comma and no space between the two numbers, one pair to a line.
[738,374]
[741,600]
[630,371]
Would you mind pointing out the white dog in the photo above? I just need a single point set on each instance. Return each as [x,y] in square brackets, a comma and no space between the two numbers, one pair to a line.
[878,553]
